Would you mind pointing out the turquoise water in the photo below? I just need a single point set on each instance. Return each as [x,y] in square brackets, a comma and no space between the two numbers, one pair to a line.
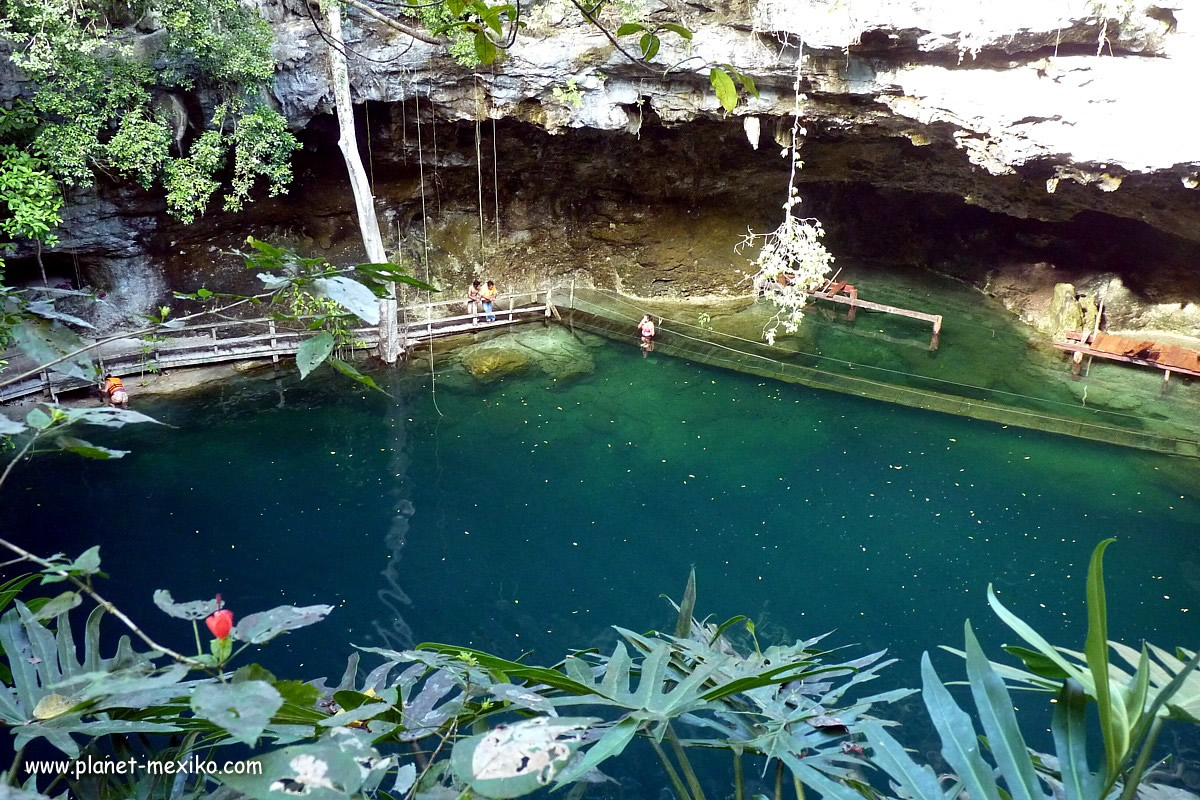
[528,514]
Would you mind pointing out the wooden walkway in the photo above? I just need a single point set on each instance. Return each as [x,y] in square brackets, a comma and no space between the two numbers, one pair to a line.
[263,338]
[1169,358]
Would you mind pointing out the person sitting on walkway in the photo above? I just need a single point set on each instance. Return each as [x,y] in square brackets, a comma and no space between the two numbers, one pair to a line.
[474,296]
[114,391]
[489,298]
[646,329]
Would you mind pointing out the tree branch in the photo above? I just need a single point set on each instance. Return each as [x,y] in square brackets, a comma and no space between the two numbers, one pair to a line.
[640,62]
[397,25]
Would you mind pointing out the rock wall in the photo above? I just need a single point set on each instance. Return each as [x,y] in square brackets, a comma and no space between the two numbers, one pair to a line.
[985,140]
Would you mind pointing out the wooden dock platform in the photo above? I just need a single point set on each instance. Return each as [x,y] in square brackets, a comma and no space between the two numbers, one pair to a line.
[847,294]
[1167,357]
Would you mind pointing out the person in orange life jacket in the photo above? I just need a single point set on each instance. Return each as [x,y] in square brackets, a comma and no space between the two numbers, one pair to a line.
[646,329]
[114,391]
[474,296]
[489,297]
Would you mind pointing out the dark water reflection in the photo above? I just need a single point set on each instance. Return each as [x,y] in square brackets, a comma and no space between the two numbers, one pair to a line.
[529,515]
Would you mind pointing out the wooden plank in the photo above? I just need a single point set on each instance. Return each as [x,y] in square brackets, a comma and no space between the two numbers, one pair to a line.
[1084,349]
[904,312]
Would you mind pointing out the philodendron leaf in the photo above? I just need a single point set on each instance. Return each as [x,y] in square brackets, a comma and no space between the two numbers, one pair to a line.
[514,760]
[193,610]
[266,625]
[313,351]
[350,295]
[10,427]
[242,709]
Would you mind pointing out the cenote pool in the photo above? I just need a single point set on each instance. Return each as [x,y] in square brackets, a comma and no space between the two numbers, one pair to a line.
[532,512]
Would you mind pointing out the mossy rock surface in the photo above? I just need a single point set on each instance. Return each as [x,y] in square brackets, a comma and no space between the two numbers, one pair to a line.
[493,359]
[553,350]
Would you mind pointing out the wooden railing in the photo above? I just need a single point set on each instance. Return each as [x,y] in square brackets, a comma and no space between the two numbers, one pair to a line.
[263,338]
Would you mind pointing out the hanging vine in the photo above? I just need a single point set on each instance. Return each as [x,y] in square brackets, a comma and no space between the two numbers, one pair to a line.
[791,260]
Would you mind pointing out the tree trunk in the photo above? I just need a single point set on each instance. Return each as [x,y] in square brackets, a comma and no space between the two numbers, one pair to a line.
[364,201]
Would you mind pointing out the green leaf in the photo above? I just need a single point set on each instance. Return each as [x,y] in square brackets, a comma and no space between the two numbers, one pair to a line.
[58,605]
[350,295]
[919,781]
[243,710]
[193,610]
[351,372]
[298,693]
[104,416]
[266,625]
[10,427]
[1069,725]
[1026,632]
[612,743]
[485,49]
[649,44]
[677,29]
[687,607]
[512,669]
[88,562]
[1037,663]
[313,351]
[88,450]
[630,27]
[43,344]
[253,672]
[514,760]
[1112,721]
[726,625]
[38,419]
[960,747]
[999,721]
[723,84]
[748,84]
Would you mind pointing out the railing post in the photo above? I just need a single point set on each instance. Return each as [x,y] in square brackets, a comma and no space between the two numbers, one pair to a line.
[213,330]
[274,343]
[510,307]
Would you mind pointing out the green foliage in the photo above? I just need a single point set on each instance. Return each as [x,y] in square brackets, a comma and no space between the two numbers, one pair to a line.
[29,195]
[97,104]
[569,94]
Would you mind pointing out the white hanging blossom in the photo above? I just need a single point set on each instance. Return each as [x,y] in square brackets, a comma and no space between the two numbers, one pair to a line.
[792,260]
